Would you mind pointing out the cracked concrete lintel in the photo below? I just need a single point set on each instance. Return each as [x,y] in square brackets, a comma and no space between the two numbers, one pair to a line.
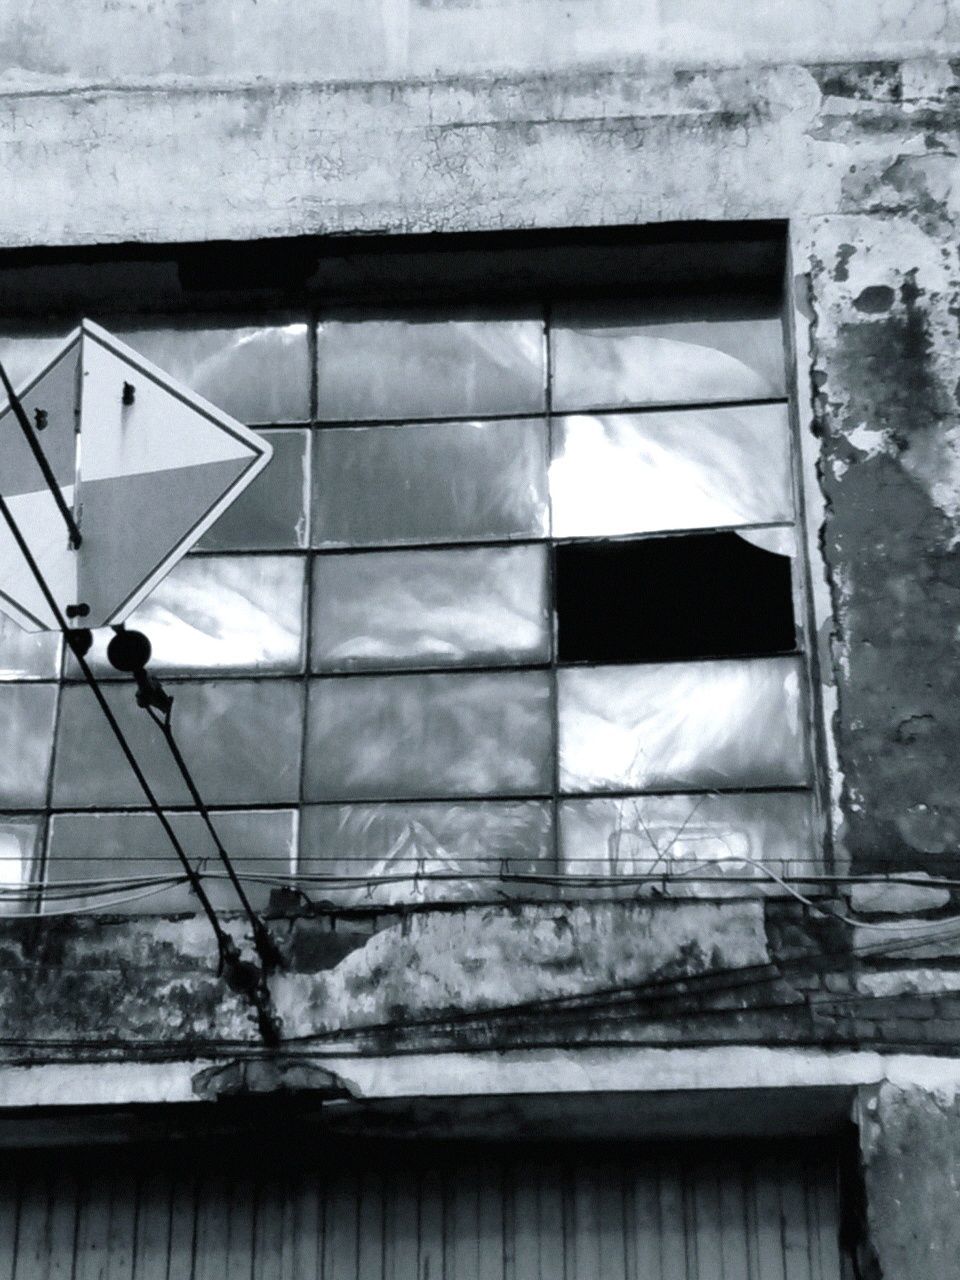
[459,154]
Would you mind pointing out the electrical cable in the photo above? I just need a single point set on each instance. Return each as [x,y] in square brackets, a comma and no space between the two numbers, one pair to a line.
[264,943]
[241,975]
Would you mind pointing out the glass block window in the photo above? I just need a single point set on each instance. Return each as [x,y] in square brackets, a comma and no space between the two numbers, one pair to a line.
[516,610]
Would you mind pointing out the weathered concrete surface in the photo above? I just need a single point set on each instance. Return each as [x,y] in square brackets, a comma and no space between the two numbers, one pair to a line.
[886,291]
[911,1163]
[128,40]
[546,975]
[476,152]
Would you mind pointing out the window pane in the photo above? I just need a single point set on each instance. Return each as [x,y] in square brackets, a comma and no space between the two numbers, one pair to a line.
[424,365]
[19,855]
[270,515]
[240,739]
[26,655]
[686,469]
[24,354]
[219,613]
[689,835]
[98,846]
[257,373]
[675,354]
[485,605]
[393,844]
[663,599]
[431,482]
[384,737]
[691,724]
[26,737]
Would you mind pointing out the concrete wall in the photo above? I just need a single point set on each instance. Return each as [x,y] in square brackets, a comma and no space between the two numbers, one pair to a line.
[127,41]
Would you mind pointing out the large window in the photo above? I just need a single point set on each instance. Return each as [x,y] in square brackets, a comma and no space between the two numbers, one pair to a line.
[515,610]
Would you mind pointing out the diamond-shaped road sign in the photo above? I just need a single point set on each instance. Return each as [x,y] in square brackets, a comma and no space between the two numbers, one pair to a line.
[145,464]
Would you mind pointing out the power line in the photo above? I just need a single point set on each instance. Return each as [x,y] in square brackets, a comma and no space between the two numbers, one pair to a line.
[240,975]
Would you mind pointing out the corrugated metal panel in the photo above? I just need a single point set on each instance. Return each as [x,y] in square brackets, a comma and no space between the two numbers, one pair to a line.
[467,1214]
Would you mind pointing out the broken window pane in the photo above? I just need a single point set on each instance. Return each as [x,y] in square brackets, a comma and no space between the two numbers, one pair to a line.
[219,613]
[685,469]
[19,862]
[662,599]
[241,740]
[690,835]
[386,737]
[27,655]
[256,373]
[272,514]
[133,846]
[482,606]
[723,724]
[397,847]
[431,482]
[26,737]
[427,365]
[675,354]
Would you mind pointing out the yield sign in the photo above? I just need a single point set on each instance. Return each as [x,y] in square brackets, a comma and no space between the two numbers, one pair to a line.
[145,464]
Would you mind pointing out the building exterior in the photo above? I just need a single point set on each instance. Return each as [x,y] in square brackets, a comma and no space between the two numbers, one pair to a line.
[576,689]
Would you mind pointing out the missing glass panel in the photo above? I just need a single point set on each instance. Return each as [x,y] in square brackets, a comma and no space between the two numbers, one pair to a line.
[666,599]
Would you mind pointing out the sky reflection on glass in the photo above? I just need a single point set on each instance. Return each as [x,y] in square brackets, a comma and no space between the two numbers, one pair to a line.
[431,482]
[602,361]
[431,608]
[399,842]
[257,373]
[272,513]
[727,724]
[384,737]
[101,846]
[428,366]
[19,849]
[26,739]
[711,833]
[219,613]
[682,469]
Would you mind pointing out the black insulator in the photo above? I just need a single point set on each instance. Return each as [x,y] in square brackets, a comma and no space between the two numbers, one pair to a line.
[129,651]
[80,640]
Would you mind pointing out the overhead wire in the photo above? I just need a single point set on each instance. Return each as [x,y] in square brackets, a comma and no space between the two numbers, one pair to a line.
[240,974]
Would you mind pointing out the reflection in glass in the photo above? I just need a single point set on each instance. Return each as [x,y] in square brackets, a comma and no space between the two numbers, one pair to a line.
[425,366]
[132,846]
[731,723]
[601,359]
[689,835]
[398,844]
[431,482]
[270,515]
[19,855]
[485,605]
[257,373]
[27,655]
[219,613]
[684,469]
[391,737]
[240,738]
[26,737]
[24,354]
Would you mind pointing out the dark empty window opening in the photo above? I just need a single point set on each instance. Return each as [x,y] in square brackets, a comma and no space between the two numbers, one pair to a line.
[665,599]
